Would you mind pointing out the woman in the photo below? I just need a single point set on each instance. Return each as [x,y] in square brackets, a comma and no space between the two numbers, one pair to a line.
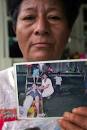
[42,28]
[46,86]
[58,82]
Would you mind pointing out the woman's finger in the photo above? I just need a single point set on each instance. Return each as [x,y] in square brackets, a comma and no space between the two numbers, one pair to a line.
[66,125]
[76,119]
[80,110]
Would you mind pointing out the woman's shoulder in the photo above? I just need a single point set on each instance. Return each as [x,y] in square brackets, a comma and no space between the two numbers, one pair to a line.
[7,89]
[48,79]
[6,76]
[5,71]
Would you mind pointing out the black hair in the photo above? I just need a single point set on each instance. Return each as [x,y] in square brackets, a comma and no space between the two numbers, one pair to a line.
[35,128]
[13,10]
[58,73]
[71,8]
[45,73]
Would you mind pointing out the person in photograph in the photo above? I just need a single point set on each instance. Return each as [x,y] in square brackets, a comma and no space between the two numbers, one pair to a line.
[42,29]
[35,73]
[29,68]
[58,82]
[32,94]
[46,86]
[50,69]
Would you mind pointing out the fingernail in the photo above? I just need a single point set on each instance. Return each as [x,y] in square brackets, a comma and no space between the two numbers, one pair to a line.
[74,110]
[66,114]
[60,120]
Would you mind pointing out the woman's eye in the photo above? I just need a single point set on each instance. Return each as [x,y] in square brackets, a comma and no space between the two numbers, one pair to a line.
[55,18]
[30,18]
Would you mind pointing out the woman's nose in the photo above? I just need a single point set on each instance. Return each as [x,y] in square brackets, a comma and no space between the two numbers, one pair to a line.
[42,27]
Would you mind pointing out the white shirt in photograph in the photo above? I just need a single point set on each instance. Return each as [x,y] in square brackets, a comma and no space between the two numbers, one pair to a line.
[49,90]
[58,80]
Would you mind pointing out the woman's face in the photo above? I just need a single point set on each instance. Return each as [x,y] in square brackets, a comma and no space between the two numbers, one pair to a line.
[42,29]
[45,76]
[34,86]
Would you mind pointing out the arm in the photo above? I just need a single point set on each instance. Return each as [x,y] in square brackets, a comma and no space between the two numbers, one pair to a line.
[43,87]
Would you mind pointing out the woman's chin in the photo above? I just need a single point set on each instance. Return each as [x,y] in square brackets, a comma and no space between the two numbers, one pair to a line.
[39,57]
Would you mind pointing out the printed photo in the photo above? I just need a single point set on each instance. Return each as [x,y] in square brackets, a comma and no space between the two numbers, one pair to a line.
[32,125]
[48,89]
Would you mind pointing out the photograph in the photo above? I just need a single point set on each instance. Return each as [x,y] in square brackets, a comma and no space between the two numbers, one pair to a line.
[47,89]
[32,125]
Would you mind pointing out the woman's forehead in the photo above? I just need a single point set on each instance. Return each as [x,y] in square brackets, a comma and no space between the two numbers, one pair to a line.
[41,3]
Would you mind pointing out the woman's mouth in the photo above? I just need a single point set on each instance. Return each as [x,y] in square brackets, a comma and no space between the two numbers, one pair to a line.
[41,45]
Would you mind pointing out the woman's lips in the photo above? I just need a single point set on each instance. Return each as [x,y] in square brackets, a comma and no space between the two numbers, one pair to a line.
[41,45]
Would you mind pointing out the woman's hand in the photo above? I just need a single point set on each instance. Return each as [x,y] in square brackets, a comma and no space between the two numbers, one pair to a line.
[77,120]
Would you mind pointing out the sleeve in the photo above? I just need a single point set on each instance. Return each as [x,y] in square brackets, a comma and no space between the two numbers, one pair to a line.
[49,82]
[2,97]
